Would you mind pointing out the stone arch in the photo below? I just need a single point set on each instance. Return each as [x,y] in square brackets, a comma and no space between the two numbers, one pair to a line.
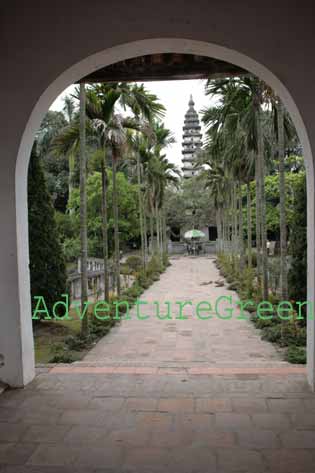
[102,59]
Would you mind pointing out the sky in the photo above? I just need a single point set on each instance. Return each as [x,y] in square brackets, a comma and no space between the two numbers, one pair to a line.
[174,95]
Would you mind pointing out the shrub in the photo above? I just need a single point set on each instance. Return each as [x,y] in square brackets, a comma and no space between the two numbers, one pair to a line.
[47,265]
[272,333]
[134,262]
[154,265]
[296,355]
[297,279]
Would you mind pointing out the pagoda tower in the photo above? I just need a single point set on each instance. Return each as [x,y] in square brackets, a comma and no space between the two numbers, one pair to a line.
[191,140]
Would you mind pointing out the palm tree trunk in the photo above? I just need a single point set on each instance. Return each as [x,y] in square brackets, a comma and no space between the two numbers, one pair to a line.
[157,227]
[249,226]
[116,228]
[152,230]
[241,233]
[165,246]
[283,222]
[234,210]
[140,211]
[105,226]
[258,222]
[71,161]
[261,159]
[145,234]
[83,212]
[161,231]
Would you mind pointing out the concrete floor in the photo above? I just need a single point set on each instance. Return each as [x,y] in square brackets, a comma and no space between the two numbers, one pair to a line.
[188,396]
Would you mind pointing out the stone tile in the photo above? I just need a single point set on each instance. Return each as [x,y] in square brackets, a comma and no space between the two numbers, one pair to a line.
[11,432]
[298,439]
[303,421]
[233,422]
[85,435]
[40,415]
[45,433]
[213,405]
[54,455]
[106,403]
[176,405]
[214,439]
[46,469]
[240,460]
[289,460]
[137,437]
[286,405]
[275,422]
[147,460]
[160,422]
[16,453]
[108,456]
[257,439]
[141,404]
[7,414]
[194,459]
[248,405]
[194,422]
[91,417]
[171,439]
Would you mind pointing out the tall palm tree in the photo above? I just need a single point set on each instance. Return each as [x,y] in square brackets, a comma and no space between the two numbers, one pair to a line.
[283,223]
[101,108]
[139,144]
[83,212]
[157,173]
[241,107]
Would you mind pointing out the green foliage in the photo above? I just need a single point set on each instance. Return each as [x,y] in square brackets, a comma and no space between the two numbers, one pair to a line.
[61,354]
[294,181]
[285,333]
[134,262]
[296,355]
[47,265]
[154,266]
[56,167]
[190,206]
[128,212]
[298,246]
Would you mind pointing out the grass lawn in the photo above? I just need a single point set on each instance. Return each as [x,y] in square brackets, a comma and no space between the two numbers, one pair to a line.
[50,334]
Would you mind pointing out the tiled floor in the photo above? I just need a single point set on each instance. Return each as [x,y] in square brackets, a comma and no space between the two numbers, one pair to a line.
[205,396]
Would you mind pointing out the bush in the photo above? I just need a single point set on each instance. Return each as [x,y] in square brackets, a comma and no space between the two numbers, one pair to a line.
[272,333]
[47,264]
[154,265]
[61,354]
[296,355]
[297,279]
[134,262]
[76,343]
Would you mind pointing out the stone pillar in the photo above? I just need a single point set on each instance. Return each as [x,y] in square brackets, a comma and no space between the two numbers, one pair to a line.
[16,335]
[310,275]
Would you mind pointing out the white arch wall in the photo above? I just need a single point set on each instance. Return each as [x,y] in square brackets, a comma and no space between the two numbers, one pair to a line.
[15,329]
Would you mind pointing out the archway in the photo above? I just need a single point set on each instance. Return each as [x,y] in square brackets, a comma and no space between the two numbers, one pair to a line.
[21,370]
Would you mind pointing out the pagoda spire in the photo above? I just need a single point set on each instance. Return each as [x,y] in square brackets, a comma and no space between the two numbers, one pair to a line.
[192,140]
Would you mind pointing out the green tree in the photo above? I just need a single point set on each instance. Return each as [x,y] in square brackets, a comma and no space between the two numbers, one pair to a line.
[297,277]
[47,265]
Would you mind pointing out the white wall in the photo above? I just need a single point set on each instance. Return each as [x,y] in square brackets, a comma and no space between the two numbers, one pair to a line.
[46,47]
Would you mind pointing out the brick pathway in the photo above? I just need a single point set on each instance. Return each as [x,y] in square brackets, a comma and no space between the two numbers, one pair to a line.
[165,396]
[191,342]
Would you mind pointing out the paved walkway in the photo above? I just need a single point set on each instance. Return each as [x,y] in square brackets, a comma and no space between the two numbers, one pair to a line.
[213,342]
[186,396]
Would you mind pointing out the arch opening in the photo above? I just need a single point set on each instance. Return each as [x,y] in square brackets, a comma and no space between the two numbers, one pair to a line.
[123,52]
